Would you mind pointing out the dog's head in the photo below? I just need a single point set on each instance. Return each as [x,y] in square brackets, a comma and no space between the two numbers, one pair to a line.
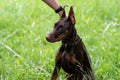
[63,27]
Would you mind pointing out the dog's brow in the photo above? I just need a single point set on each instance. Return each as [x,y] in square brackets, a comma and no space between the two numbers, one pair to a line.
[56,23]
[62,21]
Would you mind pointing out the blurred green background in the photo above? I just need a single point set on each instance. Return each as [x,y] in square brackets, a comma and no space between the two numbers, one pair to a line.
[26,55]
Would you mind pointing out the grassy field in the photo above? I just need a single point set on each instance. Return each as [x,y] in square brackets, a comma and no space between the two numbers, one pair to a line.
[26,55]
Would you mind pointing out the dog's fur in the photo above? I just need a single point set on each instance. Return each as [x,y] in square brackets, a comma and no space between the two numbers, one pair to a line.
[72,55]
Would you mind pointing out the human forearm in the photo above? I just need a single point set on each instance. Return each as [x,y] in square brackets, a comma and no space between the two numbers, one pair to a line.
[52,3]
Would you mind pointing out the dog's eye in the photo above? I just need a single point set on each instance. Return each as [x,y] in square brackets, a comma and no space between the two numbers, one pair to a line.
[61,26]
[61,29]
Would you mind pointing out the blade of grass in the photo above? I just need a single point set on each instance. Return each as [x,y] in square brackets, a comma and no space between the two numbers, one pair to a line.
[17,55]
[10,49]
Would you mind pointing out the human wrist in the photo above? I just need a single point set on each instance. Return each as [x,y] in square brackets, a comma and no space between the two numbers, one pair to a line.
[59,11]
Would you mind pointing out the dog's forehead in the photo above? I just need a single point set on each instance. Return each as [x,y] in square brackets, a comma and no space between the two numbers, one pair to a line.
[61,21]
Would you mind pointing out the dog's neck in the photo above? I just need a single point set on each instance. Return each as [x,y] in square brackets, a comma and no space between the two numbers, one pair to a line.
[72,39]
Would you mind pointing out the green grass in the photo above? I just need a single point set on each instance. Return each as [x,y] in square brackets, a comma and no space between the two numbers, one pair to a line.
[25,23]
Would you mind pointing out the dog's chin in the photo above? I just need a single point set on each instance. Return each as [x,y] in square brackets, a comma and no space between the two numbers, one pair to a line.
[52,40]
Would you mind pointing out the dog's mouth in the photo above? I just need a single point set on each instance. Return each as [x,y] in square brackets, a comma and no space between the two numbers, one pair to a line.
[51,38]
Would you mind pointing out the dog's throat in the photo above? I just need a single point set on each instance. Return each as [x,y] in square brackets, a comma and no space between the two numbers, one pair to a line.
[72,42]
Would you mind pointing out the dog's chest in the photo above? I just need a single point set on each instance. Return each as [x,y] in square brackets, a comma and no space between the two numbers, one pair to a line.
[67,62]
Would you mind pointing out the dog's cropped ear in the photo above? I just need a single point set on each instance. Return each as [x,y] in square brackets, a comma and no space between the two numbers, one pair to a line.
[64,14]
[71,15]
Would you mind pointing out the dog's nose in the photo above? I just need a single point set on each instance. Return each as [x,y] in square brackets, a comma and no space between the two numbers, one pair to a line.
[49,38]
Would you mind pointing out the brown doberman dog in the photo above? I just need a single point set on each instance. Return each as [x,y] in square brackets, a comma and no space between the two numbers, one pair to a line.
[72,55]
